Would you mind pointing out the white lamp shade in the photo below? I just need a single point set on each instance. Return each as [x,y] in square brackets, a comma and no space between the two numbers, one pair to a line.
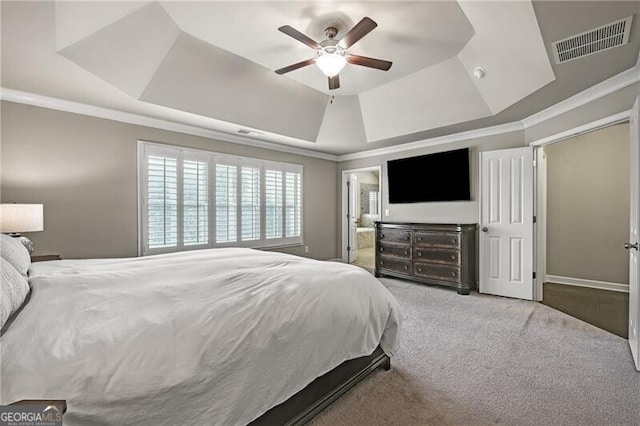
[331,63]
[21,218]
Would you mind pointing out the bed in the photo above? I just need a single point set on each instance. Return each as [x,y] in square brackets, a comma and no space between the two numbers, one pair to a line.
[221,336]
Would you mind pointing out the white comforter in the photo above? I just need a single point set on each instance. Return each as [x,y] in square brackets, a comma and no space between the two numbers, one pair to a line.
[206,337]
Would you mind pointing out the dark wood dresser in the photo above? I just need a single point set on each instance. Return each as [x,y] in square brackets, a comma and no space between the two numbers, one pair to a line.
[443,254]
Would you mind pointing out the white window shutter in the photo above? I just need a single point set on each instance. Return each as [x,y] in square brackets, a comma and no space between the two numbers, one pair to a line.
[226,203]
[250,195]
[195,199]
[162,201]
[192,199]
[274,203]
[293,205]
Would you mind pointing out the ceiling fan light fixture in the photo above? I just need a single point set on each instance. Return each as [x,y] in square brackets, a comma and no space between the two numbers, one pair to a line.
[332,54]
[331,63]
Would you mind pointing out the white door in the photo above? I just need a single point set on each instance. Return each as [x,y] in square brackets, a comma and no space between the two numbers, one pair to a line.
[352,217]
[632,245]
[506,223]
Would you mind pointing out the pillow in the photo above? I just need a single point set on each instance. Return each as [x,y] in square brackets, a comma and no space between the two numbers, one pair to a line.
[13,292]
[13,251]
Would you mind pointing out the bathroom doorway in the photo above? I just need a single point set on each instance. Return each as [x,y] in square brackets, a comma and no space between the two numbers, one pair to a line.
[361,207]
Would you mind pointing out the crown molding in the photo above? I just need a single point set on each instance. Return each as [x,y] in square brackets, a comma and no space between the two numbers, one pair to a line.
[456,137]
[34,99]
[620,117]
[604,88]
[611,85]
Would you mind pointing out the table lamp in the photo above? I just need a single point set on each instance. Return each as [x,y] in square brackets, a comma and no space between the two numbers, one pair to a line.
[16,218]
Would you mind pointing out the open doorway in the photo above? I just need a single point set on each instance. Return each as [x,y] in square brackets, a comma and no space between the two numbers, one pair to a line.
[361,204]
[585,223]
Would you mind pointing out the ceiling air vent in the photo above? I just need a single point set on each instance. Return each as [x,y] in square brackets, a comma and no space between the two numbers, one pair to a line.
[248,132]
[593,41]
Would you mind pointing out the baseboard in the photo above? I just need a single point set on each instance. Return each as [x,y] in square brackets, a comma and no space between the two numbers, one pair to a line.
[580,282]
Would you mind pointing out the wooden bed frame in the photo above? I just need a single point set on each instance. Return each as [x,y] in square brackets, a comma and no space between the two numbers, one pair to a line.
[320,393]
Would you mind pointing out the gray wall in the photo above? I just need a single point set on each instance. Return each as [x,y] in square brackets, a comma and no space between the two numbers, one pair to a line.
[441,212]
[83,170]
[588,206]
[613,103]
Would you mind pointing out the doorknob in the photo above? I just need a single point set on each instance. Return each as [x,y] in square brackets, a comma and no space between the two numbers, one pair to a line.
[485,229]
[630,246]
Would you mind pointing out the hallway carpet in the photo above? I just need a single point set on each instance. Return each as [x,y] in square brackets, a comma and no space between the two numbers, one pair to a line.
[608,310]
[485,360]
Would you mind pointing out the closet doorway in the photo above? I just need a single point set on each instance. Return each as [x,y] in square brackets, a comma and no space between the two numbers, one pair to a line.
[361,208]
[586,224]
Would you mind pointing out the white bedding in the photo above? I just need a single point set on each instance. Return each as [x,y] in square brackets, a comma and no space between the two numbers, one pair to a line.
[204,337]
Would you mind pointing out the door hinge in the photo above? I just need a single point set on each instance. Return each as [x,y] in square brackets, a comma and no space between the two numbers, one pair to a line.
[534,275]
[535,219]
[348,248]
[535,163]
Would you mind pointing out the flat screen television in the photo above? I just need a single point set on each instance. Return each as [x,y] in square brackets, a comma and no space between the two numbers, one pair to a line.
[443,176]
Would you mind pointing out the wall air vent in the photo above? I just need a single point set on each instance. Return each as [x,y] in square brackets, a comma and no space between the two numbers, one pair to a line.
[248,132]
[593,41]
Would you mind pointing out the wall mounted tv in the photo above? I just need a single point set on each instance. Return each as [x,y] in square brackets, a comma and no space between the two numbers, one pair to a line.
[443,176]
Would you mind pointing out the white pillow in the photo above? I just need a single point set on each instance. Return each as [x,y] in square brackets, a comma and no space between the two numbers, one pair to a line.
[13,251]
[13,292]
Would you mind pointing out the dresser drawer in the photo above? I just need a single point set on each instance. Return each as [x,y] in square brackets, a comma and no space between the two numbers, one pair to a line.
[403,252]
[397,265]
[395,235]
[437,255]
[437,239]
[437,272]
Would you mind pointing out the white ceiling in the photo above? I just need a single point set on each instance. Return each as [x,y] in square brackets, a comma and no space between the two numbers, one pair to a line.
[211,64]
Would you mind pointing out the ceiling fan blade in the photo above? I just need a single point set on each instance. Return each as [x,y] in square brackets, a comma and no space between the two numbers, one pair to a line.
[378,64]
[295,66]
[360,30]
[334,82]
[292,32]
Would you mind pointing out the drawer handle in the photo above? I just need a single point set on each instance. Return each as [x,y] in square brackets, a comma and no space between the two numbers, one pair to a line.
[407,237]
[381,248]
[453,240]
[453,274]
[381,262]
[406,267]
[381,235]
[419,254]
[419,269]
[406,252]
[453,257]
[419,238]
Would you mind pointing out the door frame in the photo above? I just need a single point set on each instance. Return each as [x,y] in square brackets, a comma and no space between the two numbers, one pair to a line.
[540,189]
[344,223]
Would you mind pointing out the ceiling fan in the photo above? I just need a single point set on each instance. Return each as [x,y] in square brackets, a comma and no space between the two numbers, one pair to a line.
[332,54]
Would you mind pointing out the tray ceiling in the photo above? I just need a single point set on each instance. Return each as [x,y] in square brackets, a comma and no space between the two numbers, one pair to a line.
[211,63]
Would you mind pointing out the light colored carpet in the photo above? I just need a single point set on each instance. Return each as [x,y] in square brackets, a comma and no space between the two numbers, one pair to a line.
[481,360]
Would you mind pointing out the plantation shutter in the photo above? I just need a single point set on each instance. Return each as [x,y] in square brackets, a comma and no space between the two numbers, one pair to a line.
[293,204]
[274,203]
[195,201]
[226,203]
[250,194]
[191,199]
[162,201]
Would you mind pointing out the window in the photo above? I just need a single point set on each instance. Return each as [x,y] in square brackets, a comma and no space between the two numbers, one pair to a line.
[191,199]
